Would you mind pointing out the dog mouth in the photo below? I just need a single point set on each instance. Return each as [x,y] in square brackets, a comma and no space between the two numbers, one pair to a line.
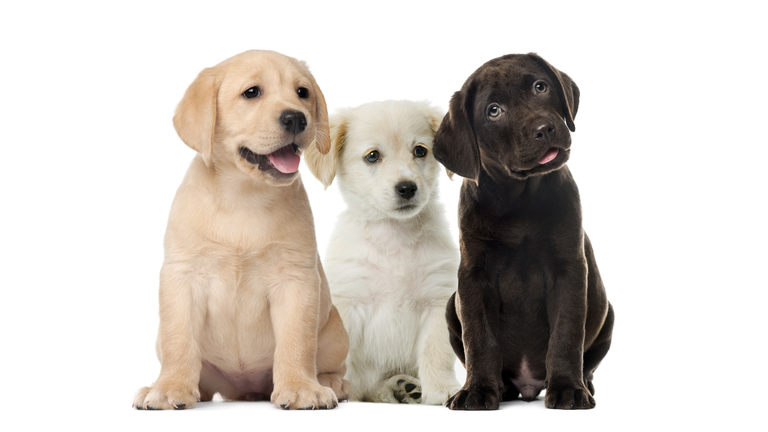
[284,160]
[549,155]
[544,165]
[404,208]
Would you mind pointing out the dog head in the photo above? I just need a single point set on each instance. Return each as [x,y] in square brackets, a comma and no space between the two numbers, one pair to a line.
[257,111]
[382,155]
[511,118]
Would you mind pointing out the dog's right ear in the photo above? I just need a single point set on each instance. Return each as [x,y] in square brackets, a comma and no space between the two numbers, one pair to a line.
[195,118]
[323,166]
[455,146]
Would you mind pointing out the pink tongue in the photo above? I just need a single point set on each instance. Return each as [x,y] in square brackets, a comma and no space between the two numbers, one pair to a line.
[551,154]
[285,160]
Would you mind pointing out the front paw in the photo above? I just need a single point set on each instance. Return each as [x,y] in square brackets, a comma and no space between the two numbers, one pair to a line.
[475,398]
[568,396]
[165,397]
[337,383]
[310,396]
[439,396]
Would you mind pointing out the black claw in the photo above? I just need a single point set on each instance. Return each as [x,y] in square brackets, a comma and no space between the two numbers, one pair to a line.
[180,406]
[409,387]
[584,403]
[571,405]
[284,406]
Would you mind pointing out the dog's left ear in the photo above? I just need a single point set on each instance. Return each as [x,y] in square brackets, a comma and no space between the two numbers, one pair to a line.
[195,118]
[566,90]
[322,132]
[323,166]
[435,117]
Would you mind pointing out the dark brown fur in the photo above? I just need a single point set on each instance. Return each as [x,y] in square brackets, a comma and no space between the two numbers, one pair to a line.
[530,298]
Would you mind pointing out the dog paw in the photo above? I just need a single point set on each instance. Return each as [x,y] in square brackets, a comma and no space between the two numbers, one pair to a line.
[438,396]
[310,396]
[567,396]
[475,398]
[405,389]
[159,397]
[337,383]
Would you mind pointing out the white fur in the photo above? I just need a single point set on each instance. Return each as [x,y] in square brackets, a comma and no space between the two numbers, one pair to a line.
[391,272]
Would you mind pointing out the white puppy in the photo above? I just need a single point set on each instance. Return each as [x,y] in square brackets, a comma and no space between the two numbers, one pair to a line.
[391,262]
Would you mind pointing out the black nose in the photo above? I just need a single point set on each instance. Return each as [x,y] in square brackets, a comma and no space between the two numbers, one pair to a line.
[406,189]
[293,121]
[543,130]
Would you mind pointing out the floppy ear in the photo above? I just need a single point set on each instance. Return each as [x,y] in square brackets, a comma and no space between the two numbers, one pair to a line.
[195,118]
[322,134]
[566,90]
[323,166]
[435,117]
[455,146]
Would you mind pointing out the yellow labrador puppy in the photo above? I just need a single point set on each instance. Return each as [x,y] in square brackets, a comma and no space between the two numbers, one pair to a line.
[245,309]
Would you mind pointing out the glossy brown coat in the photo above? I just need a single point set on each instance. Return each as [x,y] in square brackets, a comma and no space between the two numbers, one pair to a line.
[530,311]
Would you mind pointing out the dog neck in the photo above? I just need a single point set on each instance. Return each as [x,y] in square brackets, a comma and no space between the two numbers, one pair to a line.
[508,196]
[232,190]
[382,230]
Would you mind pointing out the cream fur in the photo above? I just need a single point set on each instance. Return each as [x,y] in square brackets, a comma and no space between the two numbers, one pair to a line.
[245,309]
[391,272]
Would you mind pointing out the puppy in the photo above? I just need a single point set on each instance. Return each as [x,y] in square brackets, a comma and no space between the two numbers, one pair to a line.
[391,262]
[245,309]
[531,311]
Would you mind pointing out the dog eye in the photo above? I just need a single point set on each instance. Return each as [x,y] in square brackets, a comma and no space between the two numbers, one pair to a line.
[252,93]
[540,86]
[303,92]
[494,111]
[372,157]
[420,151]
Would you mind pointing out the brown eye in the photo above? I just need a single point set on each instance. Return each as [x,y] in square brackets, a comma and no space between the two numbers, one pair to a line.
[540,86]
[372,157]
[494,111]
[303,92]
[420,151]
[252,92]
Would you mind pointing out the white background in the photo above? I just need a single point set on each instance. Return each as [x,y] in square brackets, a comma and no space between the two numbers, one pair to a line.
[668,154]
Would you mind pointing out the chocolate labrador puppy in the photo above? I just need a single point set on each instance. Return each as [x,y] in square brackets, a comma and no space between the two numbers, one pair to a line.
[531,311]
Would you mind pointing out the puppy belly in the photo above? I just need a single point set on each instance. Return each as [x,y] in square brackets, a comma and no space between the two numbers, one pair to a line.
[251,385]
[528,386]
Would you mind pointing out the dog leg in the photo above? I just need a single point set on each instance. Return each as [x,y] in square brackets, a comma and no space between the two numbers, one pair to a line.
[398,389]
[333,344]
[567,314]
[180,360]
[482,390]
[296,337]
[436,360]
[454,329]
[594,355]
